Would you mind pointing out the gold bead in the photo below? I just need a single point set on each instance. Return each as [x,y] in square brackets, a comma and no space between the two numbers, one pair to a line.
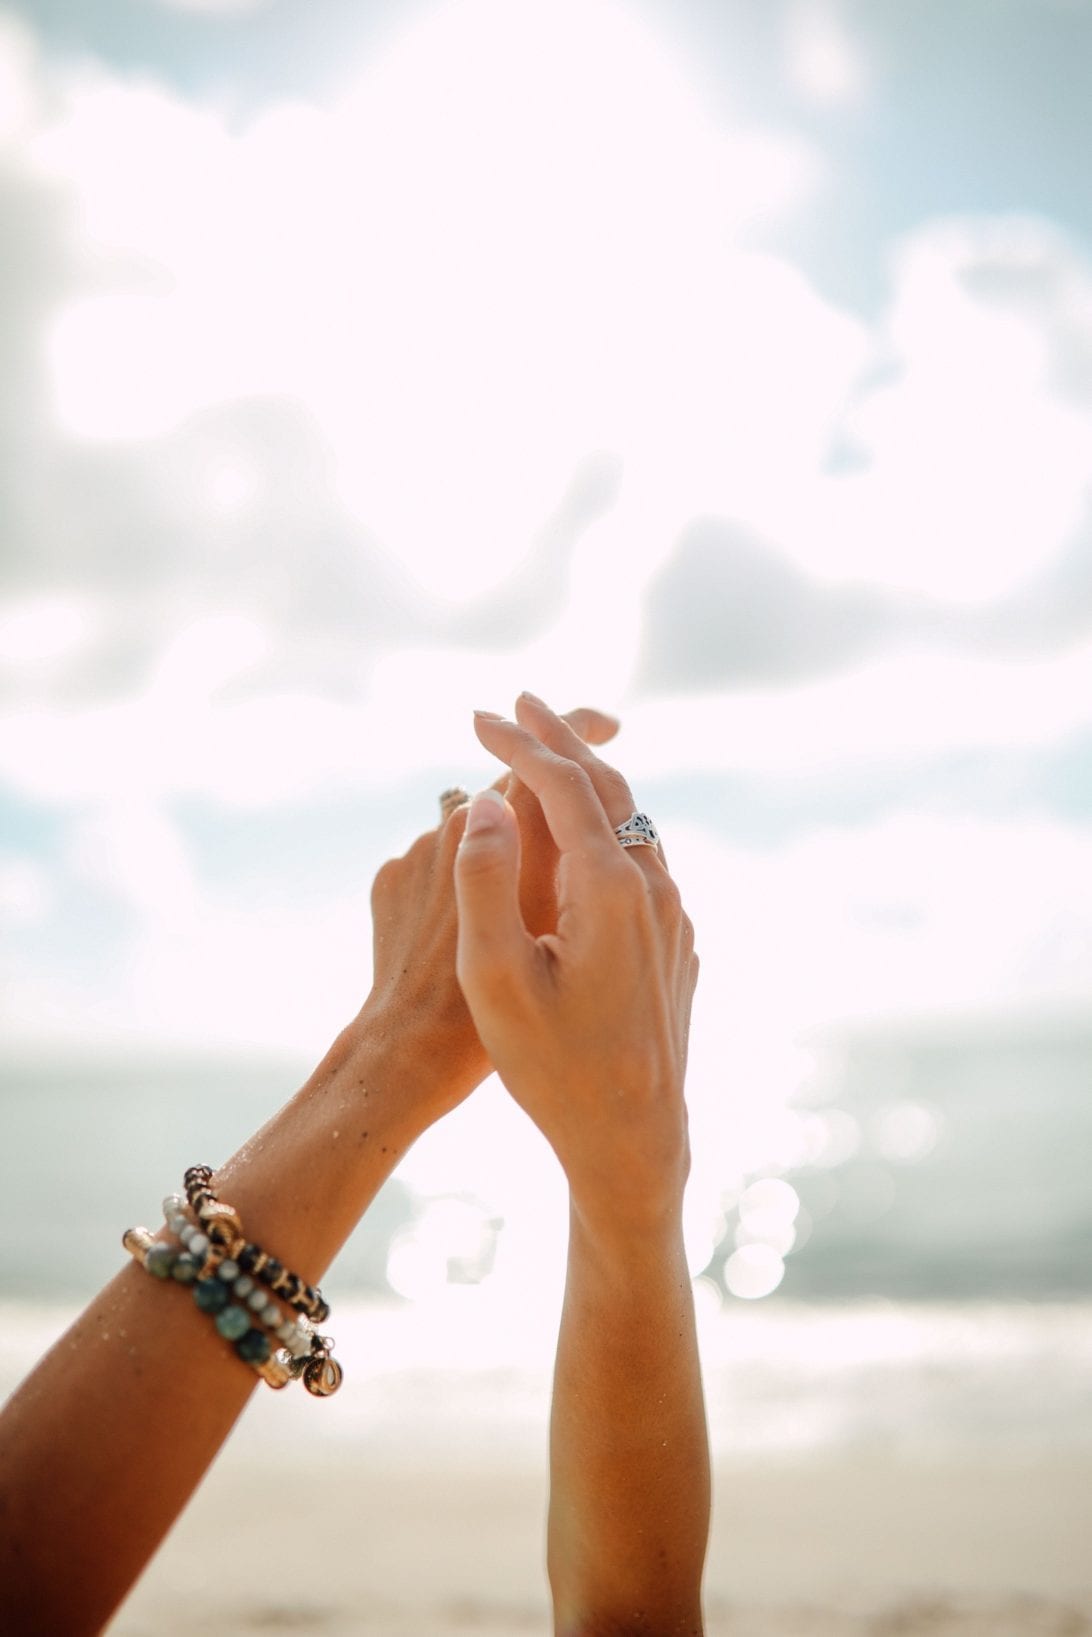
[224,1217]
[138,1242]
[274,1373]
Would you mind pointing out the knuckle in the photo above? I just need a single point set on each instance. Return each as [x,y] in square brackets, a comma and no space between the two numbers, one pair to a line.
[613,789]
[385,881]
[669,896]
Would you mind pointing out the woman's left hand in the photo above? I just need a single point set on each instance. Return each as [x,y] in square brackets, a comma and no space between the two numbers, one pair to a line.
[416,1007]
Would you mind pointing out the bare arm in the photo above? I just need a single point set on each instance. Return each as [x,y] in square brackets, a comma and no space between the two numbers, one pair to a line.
[122,1418]
[118,1423]
[629,1464]
[104,1443]
[588,1028]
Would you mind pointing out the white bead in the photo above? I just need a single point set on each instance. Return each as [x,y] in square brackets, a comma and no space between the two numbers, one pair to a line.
[243,1285]
[228,1270]
[173,1205]
[299,1346]
[187,1236]
[198,1244]
[257,1299]
[286,1331]
[270,1315]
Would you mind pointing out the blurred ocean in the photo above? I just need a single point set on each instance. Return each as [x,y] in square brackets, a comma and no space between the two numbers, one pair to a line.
[933,1228]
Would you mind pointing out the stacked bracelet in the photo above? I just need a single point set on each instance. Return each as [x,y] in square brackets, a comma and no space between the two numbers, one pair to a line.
[234,1281]
[219,1222]
[164,1261]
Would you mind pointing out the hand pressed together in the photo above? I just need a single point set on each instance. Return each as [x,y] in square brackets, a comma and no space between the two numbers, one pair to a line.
[415,998]
[534,943]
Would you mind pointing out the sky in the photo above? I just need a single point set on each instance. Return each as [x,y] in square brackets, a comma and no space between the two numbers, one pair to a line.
[726,365]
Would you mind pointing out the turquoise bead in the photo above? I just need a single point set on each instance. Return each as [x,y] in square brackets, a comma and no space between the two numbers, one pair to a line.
[233,1322]
[186,1268]
[160,1260]
[210,1295]
[255,1347]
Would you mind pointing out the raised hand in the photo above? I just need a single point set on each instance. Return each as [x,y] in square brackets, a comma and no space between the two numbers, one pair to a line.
[415,996]
[587,1022]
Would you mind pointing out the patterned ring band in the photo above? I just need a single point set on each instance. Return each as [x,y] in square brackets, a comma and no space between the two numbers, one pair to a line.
[638,831]
[451,799]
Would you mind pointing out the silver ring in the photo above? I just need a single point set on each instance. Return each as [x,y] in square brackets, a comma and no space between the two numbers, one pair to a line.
[638,831]
[451,799]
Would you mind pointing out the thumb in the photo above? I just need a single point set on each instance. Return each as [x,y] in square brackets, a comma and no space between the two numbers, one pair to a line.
[493,941]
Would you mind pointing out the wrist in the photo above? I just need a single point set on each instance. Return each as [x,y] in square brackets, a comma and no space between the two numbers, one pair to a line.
[629,1241]
[369,1067]
[414,1073]
[302,1184]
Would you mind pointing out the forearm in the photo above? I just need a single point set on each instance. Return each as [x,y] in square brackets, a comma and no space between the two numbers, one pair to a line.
[629,1459]
[104,1443]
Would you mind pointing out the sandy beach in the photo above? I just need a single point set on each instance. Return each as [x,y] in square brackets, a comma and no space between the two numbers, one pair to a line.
[936,1481]
[819,1547]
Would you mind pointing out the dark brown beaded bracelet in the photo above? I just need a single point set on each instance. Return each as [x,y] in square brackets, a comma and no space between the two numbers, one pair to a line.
[222,1226]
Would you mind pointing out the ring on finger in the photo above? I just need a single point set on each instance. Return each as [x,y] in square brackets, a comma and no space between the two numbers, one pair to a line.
[451,799]
[637,831]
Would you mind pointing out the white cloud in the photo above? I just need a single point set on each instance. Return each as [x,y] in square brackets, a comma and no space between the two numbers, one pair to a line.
[136,855]
[890,712]
[823,59]
[40,634]
[272,745]
[438,327]
[979,453]
[26,891]
[915,917]
[453,269]
[19,74]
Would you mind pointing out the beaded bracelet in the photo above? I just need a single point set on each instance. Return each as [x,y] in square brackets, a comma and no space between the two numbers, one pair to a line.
[223,1228]
[206,1260]
[295,1335]
[222,1247]
[163,1261]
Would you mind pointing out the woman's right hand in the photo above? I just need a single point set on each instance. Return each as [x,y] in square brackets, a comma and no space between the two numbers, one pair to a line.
[587,1024]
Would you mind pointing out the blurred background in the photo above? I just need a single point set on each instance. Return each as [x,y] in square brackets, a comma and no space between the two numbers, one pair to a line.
[723,363]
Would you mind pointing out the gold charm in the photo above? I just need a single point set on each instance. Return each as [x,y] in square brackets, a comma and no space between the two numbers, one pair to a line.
[322,1376]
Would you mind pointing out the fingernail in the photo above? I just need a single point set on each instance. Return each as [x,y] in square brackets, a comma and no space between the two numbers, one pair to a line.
[486,812]
[535,700]
[490,716]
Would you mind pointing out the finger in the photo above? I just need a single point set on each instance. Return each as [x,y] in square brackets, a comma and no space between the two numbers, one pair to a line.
[594,727]
[538,874]
[568,799]
[493,942]
[611,787]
